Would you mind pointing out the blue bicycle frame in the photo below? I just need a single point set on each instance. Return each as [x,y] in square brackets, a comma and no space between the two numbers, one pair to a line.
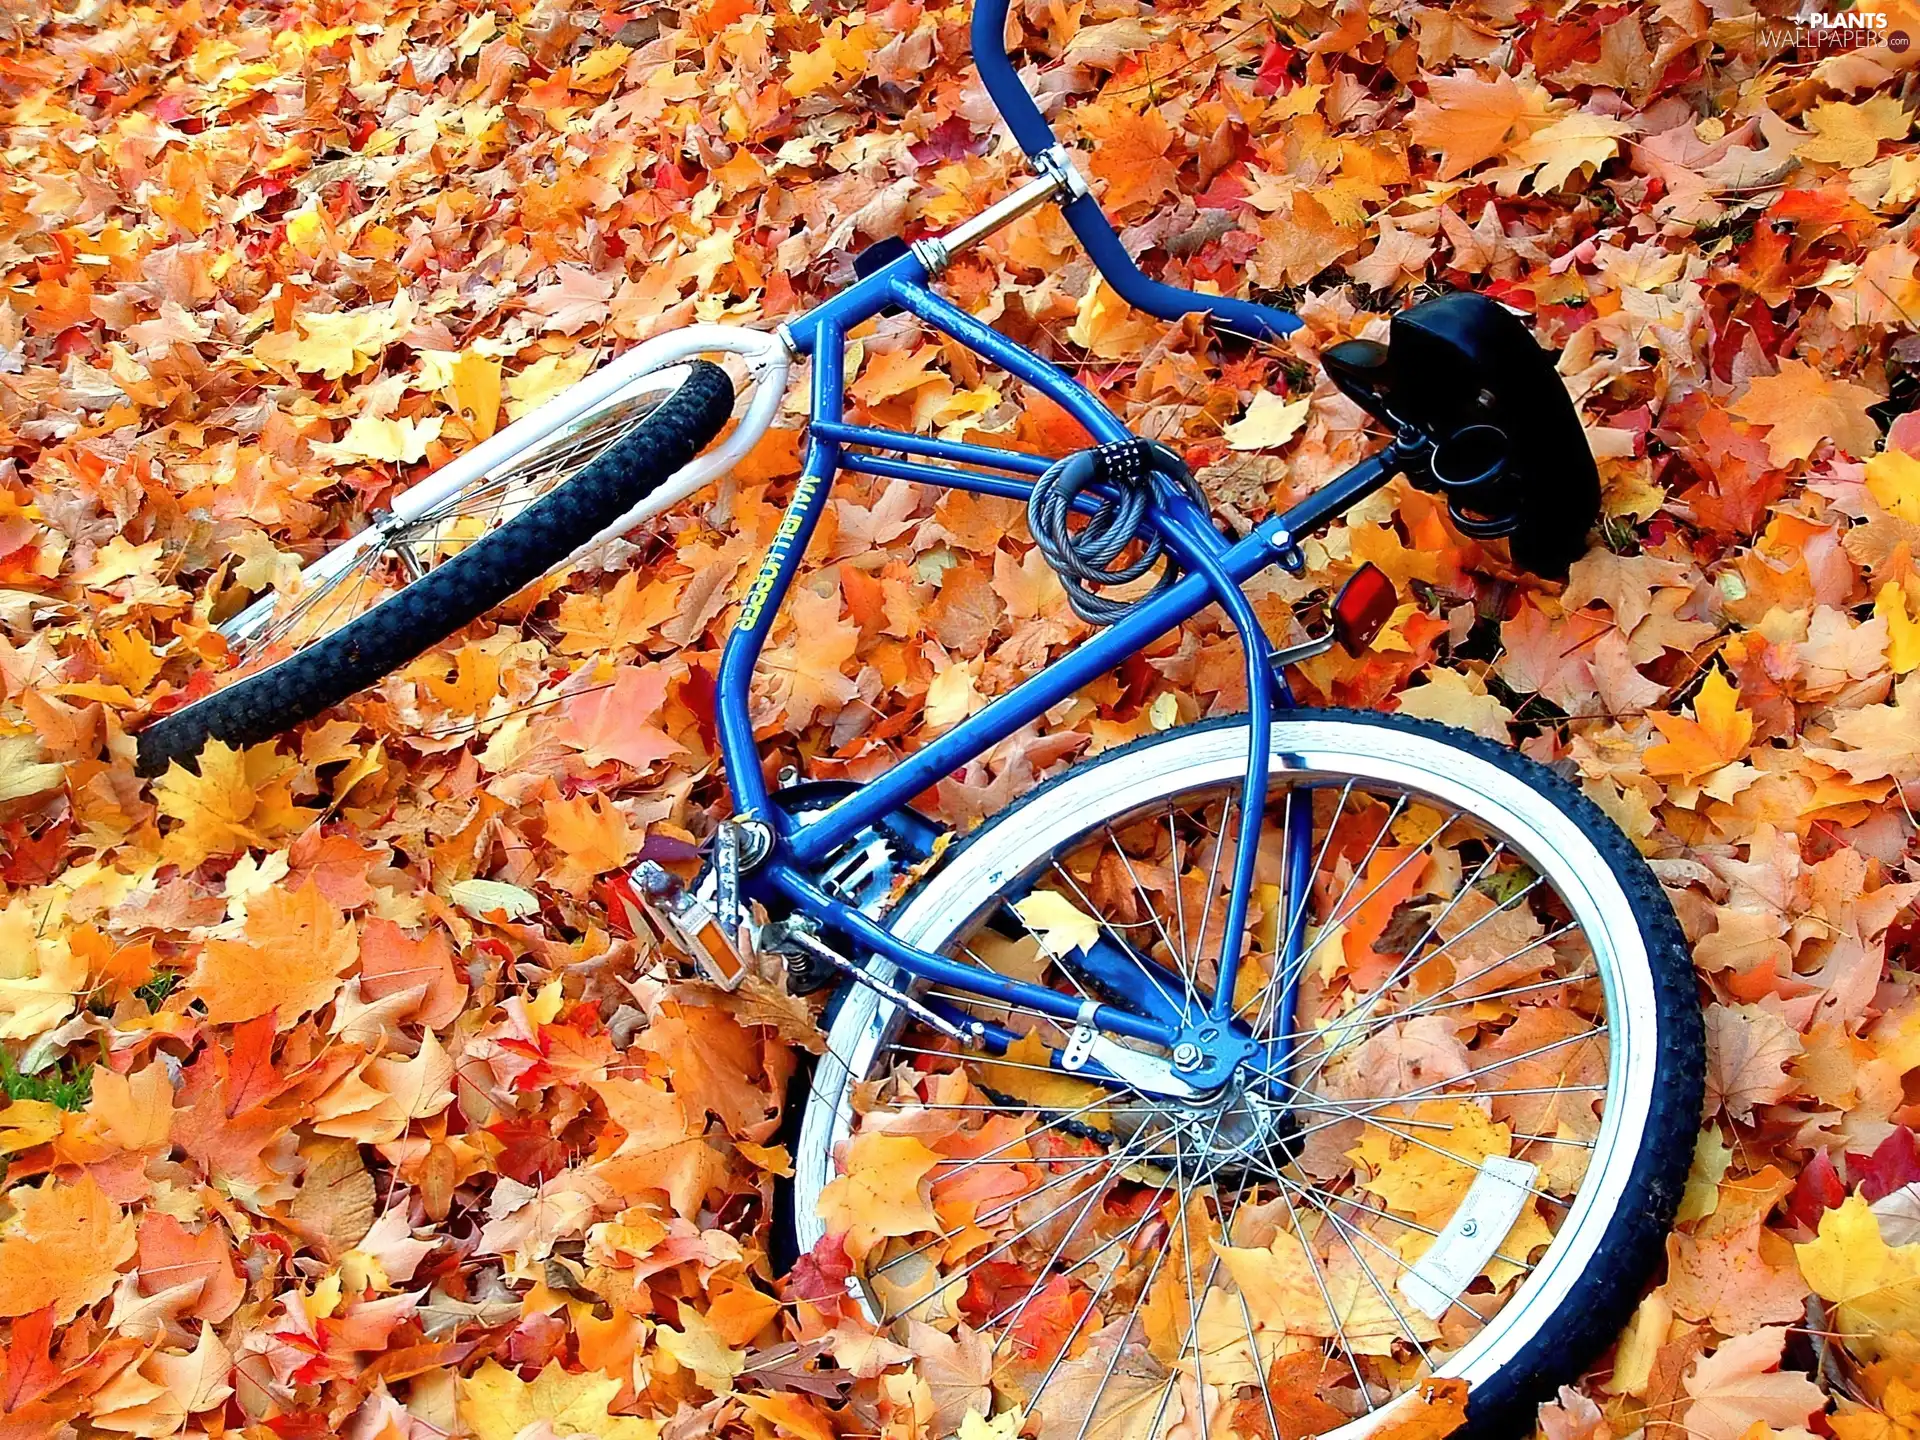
[1215,570]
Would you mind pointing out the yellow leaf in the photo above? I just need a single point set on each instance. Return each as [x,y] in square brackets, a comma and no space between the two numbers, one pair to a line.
[1893,479]
[42,980]
[1875,1286]
[473,387]
[1280,1284]
[599,64]
[544,379]
[1004,1426]
[484,899]
[239,799]
[133,1111]
[340,344]
[594,836]
[496,1404]
[1903,629]
[1850,135]
[1718,734]
[1109,327]
[64,1245]
[1711,1158]
[1573,142]
[1454,698]
[27,1123]
[1269,423]
[952,696]
[881,1194]
[1421,1181]
[699,1348]
[1059,925]
[397,442]
[307,231]
[22,771]
[809,71]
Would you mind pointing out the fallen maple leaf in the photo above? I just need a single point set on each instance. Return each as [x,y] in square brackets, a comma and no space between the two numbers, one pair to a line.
[1718,735]
[496,1404]
[1874,1286]
[1748,1051]
[1803,406]
[295,949]
[1060,925]
[62,1248]
[22,771]
[1468,119]
[1739,1386]
[238,799]
[612,720]
[882,1193]
[1850,135]
[1270,422]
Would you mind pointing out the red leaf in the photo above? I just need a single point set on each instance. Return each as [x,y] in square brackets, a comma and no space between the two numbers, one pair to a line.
[251,1078]
[820,1275]
[1894,1162]
[1273,78]
[1816,1191]
[31,1372]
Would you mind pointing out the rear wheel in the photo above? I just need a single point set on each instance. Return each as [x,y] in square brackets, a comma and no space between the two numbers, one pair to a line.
[410,581]
[1458,1157]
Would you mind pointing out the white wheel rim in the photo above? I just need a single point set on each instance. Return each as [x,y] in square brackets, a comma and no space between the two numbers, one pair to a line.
[1538,830]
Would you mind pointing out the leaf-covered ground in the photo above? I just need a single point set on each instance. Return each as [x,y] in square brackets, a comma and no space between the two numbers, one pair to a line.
[337,1105]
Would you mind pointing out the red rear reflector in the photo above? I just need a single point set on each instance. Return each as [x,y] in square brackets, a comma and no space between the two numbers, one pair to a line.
[1365,603]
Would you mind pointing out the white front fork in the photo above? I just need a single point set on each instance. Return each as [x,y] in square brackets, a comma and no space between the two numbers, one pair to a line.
[656,366]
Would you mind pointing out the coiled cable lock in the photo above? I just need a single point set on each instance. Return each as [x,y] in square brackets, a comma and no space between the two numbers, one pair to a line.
[1088,559]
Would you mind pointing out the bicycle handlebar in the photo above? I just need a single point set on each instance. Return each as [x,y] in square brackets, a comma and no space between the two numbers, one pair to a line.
[1088,221]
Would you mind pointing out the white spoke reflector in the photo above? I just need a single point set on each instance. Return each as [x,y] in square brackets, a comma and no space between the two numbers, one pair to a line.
[1491,1206]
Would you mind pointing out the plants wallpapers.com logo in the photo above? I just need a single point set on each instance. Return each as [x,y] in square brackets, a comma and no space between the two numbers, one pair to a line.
[1839,30]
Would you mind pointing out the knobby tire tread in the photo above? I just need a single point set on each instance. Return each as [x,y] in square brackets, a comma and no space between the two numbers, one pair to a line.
[454,593]
[1602,1300]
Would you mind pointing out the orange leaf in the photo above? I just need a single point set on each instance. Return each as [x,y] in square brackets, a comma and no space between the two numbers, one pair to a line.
[1804,406]
[1718,734]
[291,961]
[1436,1409]
[64,1248]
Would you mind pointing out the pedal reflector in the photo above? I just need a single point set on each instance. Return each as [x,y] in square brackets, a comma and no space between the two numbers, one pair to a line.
[682,921]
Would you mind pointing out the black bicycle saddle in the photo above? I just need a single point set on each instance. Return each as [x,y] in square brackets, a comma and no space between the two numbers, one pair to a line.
[1509,452]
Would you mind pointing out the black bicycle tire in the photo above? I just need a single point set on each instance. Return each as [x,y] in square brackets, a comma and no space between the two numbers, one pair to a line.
[452,594]
[1591,1315]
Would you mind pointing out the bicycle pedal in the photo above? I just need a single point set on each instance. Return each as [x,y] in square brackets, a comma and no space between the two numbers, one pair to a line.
[683,918]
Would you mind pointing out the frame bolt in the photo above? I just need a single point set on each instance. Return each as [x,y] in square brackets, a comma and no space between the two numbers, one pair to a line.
[1186,1056]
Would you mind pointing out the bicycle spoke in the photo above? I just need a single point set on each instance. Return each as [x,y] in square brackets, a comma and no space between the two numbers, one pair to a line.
[1097,1250]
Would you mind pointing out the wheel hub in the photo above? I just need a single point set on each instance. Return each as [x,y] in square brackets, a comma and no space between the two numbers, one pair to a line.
[1234,1128]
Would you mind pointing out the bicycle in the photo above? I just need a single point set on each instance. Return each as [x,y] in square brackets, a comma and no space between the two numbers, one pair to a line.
[1373,1167]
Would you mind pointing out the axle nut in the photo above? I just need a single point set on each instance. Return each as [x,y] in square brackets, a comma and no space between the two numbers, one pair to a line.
[1186,1056]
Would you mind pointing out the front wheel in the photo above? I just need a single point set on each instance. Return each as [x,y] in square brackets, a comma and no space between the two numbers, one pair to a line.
[449,563]
[1456,1157]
